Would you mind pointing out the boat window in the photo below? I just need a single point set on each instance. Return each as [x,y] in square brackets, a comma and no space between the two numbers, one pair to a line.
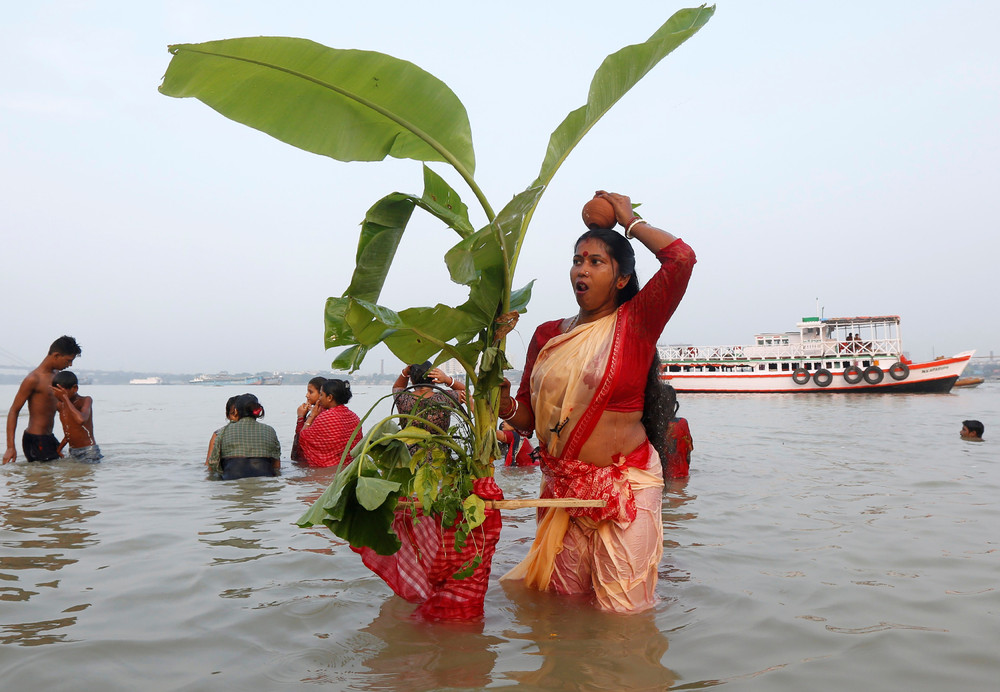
[829,364]
[772,366]
[784,366]
[760,367]
[865,363]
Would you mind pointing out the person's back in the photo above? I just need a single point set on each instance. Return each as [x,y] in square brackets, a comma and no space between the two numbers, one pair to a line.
[76,413]
[245,447]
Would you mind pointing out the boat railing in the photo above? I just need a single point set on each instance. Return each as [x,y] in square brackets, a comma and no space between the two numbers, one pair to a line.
[807,349]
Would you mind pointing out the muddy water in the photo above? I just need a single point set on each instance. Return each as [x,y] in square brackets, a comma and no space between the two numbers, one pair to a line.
[821,543]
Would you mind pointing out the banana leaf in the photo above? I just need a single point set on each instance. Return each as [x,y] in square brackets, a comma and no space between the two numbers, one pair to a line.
[350,105]
[385,223]
[619,72]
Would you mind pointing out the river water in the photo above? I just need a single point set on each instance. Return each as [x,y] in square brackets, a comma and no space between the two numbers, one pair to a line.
[823,542]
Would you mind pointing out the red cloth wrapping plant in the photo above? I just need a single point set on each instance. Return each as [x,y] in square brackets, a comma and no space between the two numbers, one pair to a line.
[421,570]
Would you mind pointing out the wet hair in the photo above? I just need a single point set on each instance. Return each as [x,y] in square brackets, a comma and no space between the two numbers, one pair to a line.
[624,256]
[658,403]
[230,405]
[66,346]
[65,379]
[317,382]
[418,373]
[974,426]
[247,406]
[661,406]
[340,390]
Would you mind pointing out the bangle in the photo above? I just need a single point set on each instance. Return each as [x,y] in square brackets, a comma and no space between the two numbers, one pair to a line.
[633,222]
[512,413]
[452,384]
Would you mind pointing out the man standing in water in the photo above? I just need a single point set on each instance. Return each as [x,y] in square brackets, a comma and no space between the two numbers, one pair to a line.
[38,442]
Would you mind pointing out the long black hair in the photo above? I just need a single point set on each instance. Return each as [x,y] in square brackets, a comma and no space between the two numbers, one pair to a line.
[247,406]
[655,409]
[340,390]
[418,373]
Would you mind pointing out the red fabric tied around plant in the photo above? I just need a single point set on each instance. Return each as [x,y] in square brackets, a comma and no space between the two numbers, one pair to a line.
[421,570]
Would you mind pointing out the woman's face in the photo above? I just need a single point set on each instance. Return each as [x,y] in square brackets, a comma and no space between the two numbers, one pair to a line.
[326,400]
[594,276]
[312,394]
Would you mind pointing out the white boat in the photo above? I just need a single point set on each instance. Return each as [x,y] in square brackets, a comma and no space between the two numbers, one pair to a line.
[146,380]
[224,378]
[837,354]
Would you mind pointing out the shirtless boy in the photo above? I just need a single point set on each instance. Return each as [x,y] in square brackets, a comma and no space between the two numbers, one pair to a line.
[38,442]
[76,413]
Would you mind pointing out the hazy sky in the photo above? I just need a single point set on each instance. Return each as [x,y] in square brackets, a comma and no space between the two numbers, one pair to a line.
[845,152]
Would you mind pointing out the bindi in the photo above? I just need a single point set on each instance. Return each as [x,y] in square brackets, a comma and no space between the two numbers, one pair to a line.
[585,253]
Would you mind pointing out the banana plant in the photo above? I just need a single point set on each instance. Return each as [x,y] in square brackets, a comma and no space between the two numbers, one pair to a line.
[355,105]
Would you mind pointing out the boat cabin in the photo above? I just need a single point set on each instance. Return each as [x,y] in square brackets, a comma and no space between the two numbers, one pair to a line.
[835,342]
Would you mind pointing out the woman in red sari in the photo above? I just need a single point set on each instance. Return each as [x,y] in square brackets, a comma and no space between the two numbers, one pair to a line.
[585,385]
[331,428]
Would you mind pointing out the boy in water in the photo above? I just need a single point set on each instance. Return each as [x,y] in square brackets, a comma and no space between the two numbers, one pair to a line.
[38,442]
[76,413]
[972,430]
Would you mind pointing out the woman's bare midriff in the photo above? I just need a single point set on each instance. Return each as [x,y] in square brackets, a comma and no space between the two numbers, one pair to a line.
[616,433]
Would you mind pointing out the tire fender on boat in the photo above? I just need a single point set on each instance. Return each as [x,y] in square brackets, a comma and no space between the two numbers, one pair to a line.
[853,374]
[899,370]
[874,374]
[822,377]
[800,376]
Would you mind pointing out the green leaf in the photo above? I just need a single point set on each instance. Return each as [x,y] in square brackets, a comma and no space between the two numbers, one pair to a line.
[426,483]
[372,492]
[519,298]
[618,73]
[381,232]
[469,567]
[349,359]
[474,509]
[411,434]
[350,105]
[383,228]
[443,202]
[332,502]
[364,528]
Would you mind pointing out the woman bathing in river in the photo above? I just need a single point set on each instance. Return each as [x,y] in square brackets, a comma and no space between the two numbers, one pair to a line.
[585,385]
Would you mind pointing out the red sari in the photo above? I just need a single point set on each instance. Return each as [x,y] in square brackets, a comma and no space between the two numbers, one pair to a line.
[570,380]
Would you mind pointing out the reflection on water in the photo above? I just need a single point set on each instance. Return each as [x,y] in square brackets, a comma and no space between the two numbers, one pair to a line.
[43,515]
[581,648]
[413,655]
[242,503]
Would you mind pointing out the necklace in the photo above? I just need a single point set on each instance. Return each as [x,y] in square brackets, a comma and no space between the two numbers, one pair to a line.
[572,323]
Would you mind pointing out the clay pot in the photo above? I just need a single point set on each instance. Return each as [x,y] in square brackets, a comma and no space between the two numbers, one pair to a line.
[598,213]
